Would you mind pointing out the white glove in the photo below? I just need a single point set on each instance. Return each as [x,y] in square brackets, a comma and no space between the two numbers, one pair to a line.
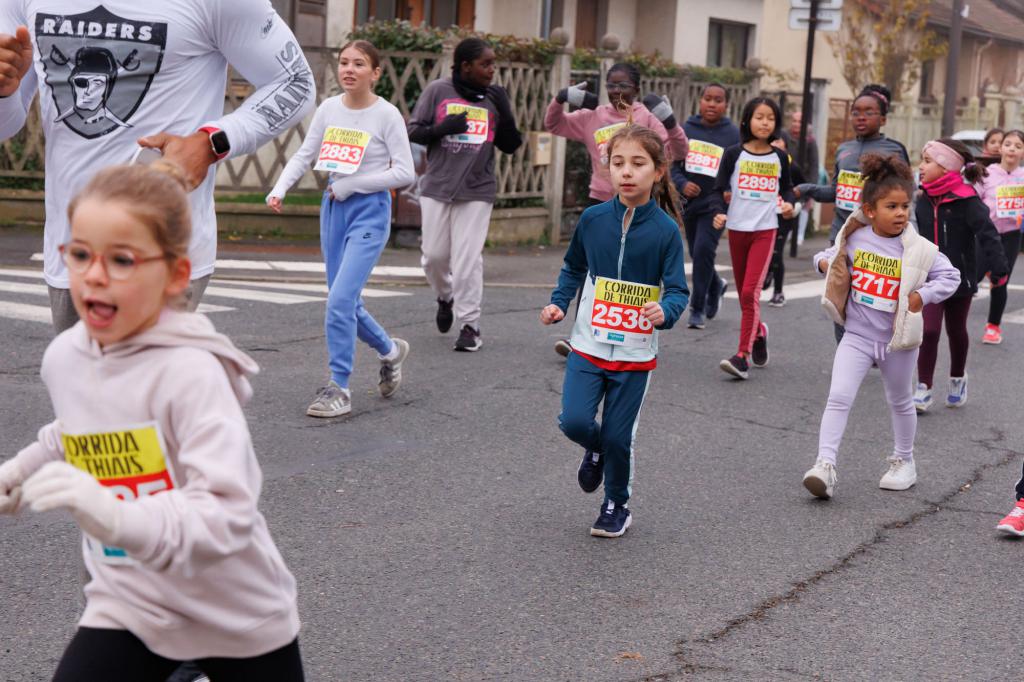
[11,478]
[576,94]
[58,485]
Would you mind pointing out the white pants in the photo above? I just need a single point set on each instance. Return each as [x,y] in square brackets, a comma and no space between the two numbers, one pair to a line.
[453,253]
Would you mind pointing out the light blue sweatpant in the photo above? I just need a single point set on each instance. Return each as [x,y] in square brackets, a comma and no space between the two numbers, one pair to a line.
[352,235]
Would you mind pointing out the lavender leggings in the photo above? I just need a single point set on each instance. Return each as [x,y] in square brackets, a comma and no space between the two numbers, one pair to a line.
[854,358]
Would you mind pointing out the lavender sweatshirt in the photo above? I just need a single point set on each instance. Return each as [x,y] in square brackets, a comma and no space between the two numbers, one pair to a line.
[988,191]
[198,574]
[593,126]
[943,279]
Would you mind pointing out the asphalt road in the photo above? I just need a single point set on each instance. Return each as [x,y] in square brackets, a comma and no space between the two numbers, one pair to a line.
[440,535]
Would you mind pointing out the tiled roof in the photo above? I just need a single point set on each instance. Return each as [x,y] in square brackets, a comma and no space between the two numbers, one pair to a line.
[1000,19]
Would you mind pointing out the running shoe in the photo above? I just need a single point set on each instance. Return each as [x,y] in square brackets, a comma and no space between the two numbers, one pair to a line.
[820,479]
[957,394]
[331,401]
[1013,523]
[563,347]
[696,320]
[759,353]
[714,302]
[591,471]
[778,300]
[391,370]
[922,398]
[612,522]
[901,475]
[445,316]
[736,366]
[469,340]
[993,335]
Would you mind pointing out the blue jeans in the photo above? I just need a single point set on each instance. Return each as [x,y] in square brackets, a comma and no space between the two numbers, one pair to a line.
[702,239]
[585,386]
[352,235]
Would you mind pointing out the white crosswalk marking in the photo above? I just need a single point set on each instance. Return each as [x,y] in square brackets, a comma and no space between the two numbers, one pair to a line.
[307,266]
[23,311]
[302,286]
[254,295]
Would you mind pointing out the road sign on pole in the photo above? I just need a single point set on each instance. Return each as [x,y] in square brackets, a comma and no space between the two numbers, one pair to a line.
[829,15]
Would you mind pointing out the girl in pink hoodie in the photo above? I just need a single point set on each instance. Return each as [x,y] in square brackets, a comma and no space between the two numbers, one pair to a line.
[1003,192]
[594,125]
[150,454]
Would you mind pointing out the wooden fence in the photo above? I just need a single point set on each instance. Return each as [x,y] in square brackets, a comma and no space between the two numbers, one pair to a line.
[405,75]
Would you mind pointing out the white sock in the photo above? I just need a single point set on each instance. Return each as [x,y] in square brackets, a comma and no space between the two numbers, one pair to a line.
[392,356]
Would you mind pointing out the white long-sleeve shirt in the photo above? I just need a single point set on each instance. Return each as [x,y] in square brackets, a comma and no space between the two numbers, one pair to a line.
[112,73]
[385,159]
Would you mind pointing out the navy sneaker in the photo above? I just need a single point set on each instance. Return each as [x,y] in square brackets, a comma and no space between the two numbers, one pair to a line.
[591,471]
[715,297]
[736,366]
[469,340]
[445,316]
[613,521]
[759,353]
[696,319]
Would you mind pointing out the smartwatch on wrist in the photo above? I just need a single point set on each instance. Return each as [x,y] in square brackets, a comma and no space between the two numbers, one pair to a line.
[218,141]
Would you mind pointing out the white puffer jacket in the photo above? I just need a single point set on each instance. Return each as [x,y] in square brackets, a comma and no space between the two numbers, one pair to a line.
[918,256]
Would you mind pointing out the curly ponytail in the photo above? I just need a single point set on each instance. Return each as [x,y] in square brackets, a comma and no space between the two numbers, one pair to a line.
[883,174]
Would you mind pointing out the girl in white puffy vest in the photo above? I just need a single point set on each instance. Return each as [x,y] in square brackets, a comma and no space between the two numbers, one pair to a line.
[879,276]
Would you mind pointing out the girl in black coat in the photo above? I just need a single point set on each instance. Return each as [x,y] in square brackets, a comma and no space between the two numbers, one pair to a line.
[950,214]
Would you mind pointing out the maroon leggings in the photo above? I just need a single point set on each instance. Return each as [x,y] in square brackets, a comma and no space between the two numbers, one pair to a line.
[955,311]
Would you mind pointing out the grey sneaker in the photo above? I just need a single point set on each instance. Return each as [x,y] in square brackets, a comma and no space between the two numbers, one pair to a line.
[331,401]
[391,370]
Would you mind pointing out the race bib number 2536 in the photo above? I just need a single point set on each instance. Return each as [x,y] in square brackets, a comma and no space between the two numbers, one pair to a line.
[616,317]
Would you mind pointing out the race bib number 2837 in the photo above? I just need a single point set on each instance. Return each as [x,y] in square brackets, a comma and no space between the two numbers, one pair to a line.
[130,461]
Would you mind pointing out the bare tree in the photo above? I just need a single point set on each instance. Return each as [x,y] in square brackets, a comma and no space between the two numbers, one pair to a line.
[885,42]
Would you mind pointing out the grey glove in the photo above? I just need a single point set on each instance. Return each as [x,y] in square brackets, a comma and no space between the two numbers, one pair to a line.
[662,110]
[578,96]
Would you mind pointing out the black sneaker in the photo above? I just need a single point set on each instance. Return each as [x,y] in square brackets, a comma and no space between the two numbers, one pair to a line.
[736,366]
[778,300]
[469,339]
[714,301]
[445,317]
[591,471]
[759,353]
[613,521]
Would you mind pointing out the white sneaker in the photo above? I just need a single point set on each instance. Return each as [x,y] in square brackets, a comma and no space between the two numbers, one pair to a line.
[331,401]
[957,394]
[922,398]
[901,475]
[820,479]
[391,370]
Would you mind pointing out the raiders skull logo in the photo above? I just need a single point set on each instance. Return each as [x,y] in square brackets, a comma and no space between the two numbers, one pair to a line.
[99,67]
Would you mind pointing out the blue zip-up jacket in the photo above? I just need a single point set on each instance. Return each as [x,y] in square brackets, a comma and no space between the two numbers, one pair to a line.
[725,134]
[648,251]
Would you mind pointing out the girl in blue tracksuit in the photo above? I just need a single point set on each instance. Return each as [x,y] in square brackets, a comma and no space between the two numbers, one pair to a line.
[627,255]
[361,140]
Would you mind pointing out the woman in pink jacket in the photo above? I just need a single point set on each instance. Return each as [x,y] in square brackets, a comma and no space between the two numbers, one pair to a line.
[594,125]
[1002,190]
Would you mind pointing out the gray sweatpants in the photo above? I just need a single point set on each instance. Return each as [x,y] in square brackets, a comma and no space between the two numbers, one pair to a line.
[65,316]
[453,253]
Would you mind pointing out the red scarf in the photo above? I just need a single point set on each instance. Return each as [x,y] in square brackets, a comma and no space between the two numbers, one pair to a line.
[950,183]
